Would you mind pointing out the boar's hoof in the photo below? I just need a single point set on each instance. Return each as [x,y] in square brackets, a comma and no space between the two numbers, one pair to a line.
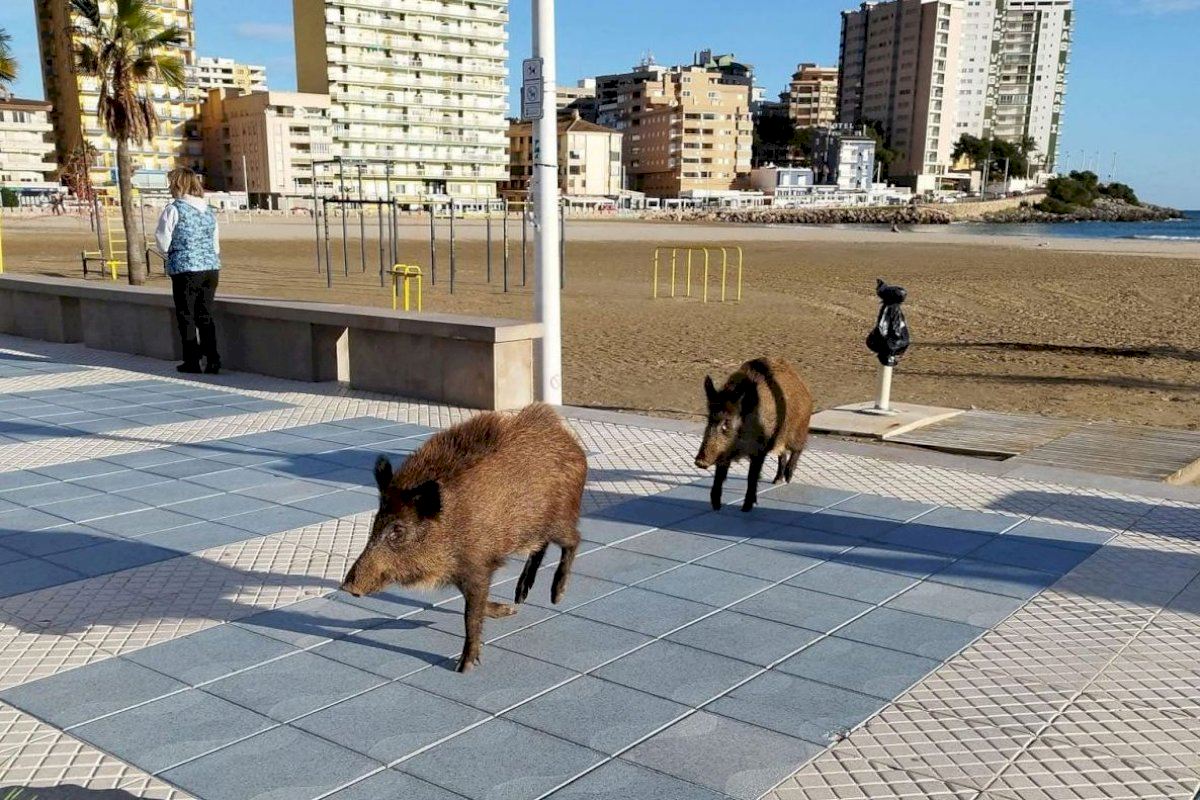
[747,506]
[498,610]
[467,663]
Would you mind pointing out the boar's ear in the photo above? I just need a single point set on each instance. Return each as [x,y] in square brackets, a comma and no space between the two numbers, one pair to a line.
[710,391]
[427,499]
[748,396]
[383,473]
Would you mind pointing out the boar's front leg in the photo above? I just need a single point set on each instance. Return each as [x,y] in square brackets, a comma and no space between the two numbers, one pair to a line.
[525,582]
[718,485]
[756,465]
[475,594]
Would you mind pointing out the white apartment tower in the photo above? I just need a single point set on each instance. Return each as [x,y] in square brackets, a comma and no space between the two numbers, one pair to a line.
[225,73]
[419,84]
[1015,56]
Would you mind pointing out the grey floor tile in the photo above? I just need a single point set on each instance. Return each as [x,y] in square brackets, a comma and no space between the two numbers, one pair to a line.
[1069,536]
[310,622]
[581,589]
[646,612]
[338,504]
[95,506]
[729,525]
[894,558]
[1030,555]
[988,576]
[911,633]
[83,694]
[806,609]
[742,761]
[222,505]
[657,513]
[233,479]
[674,672]
[502,680]
[396,648]
[281,763]
[172,730]
[140,523]
[395,601]
[934,539]
[808,495]
[807,542]
[289,687]
[45,494]
[621,780]
[620,566]
[981,609]
[759,562]
[54,540]
[287,491]
[607,531]
[209,654]
[816,712]
[883,507]
[857,583]
[675,545]
[704,585]
[393,785]
[598,714]
[29,574]
[29,519]
[572,642]
[275,519]
[111,556]
[186,468]
[122,479]
[196,537]
[859,667]
[391,721]
[8,556]
[753,639]
[847,524]
[168,492]
[501,760]
[962,519]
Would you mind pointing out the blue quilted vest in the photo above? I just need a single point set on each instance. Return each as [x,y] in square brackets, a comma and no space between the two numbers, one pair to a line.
[193,248]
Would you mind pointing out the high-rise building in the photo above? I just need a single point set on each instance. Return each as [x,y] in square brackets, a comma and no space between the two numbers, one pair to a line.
[26,150]
[688,129]
[899,69]
[1015,55]
[75,98]
[579,99]
[416,83]
[225,73]
[812,95]
[589,159]
[264,143]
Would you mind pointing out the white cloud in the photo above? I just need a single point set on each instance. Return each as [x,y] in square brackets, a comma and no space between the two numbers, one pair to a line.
[268,31]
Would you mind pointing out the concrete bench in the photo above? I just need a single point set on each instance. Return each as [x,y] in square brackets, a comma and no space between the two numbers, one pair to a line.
[475,362]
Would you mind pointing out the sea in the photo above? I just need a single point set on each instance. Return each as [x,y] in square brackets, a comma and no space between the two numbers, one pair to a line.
[1179,230]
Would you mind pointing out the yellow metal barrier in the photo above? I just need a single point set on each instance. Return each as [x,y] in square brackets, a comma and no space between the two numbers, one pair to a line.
[405,273]
[690,252]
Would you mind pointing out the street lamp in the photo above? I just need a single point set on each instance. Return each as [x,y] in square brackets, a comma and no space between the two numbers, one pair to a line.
[545,178]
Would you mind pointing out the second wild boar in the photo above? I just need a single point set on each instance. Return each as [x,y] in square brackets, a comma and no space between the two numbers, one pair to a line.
[762,410]
[494,486]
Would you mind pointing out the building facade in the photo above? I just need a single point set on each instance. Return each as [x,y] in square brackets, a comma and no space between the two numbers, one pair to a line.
[589,159]
[26,147]
[265,143]
[75,98]
[579,99]
[416,83]
[225,73]
[812,96]
[782,184]
[844,157]
[688,130]
[1015,58]
[899,68]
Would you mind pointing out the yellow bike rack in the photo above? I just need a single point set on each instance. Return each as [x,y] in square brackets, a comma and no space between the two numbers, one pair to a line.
[690,252]
[405,273]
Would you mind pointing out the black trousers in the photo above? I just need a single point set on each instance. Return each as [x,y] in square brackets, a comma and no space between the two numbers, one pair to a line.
[194,293]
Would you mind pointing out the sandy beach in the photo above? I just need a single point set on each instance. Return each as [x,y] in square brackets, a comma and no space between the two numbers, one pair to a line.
[1090,329]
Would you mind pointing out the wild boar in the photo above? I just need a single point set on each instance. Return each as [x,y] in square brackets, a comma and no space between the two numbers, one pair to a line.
[494,486]
[762,410]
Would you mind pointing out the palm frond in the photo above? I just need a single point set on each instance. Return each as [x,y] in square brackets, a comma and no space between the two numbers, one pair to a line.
[8,62]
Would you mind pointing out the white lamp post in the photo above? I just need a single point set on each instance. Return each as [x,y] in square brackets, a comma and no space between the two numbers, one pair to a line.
[545,181]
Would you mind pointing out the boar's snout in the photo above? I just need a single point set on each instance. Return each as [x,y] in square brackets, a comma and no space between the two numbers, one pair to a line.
[702,462]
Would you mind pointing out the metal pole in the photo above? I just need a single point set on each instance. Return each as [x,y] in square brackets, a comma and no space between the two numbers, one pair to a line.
[316,215]
[562,246]
[524,236]
[328,257]
[387,171]
[345,232]
[504,228]
[545,149]
[362,223]
[246,181]
[452,261]
[382,251]
[432,247]
[489,242]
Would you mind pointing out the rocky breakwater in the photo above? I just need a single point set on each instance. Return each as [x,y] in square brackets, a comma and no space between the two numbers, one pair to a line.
[1103,210]
[869,215]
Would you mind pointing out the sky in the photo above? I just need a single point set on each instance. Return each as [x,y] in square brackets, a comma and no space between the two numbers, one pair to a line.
[1132,93]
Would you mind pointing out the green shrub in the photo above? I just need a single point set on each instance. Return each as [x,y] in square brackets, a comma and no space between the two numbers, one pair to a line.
[1052,205]
[1120,191]
[9,199]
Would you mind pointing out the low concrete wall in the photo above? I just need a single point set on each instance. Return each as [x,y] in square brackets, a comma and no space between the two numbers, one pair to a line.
[468,361]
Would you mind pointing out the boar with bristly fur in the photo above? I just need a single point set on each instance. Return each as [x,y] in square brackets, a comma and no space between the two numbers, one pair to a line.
[494,486]
[762,410]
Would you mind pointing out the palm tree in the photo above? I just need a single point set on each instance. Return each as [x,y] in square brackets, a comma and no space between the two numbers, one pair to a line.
[123,51]
[8,62]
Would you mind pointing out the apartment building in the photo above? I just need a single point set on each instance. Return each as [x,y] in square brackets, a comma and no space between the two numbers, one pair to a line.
[225,73]
[844,156]
[579,99]
[75,98]
[26,149]
[1015,57]
[421,84]
[688,129]
[589,159]
[264,143]
[899,68]
[811,97]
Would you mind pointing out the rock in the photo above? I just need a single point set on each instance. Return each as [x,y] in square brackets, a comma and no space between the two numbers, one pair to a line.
[867,215]
[1104,210]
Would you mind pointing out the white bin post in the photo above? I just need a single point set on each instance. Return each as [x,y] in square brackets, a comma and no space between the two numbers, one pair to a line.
[884,402]
[545,148]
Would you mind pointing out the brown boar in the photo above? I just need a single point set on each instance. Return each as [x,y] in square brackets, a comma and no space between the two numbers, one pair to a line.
[762,410]
[491,487]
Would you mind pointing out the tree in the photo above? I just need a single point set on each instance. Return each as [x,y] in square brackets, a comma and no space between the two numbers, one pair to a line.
[8,62]
[994,155]
[884,154]
[123,51]
[803,143]
[76,171]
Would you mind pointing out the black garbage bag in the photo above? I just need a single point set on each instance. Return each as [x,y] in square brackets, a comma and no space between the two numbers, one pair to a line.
[889,339]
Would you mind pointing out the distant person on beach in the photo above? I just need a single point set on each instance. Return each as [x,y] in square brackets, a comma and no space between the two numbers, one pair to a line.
[187,233]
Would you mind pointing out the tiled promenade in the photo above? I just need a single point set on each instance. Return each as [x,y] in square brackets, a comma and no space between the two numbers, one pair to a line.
[892,625]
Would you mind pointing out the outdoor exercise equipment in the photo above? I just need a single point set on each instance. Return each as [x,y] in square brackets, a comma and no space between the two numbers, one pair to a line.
[405,274]
[690,258]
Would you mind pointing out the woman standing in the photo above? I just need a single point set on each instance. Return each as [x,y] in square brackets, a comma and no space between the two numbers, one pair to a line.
[187,233]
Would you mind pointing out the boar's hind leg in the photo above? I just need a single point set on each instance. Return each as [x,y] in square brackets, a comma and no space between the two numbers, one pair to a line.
[496,610]
[790,469]
[475,595]
[756,465]
[718,485]
[569,542]
[782,471]
[525,582]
